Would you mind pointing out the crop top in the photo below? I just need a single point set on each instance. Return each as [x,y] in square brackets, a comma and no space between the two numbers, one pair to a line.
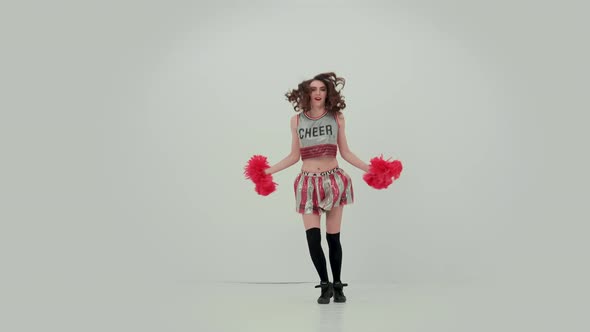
[318,137]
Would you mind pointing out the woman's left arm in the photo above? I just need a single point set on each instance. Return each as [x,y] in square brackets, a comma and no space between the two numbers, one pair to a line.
[345,152]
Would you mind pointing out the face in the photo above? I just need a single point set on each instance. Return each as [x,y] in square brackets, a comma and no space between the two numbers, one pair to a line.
[317,93]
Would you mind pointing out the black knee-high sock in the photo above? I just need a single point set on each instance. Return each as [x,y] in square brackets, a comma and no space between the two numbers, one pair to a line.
[314,242]
[335,254]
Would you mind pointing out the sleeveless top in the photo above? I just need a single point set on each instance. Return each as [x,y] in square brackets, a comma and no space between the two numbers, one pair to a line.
[318,137]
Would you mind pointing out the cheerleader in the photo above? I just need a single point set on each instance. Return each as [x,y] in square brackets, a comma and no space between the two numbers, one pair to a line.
[318,132]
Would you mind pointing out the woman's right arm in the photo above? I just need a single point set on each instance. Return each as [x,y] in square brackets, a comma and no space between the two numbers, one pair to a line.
[295,154]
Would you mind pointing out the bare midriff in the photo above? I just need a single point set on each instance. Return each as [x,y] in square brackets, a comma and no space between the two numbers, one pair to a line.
[319,164]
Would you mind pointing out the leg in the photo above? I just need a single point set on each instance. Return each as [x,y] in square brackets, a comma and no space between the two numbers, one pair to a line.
[333,222]
[311,221]
[314,243]
[333,225]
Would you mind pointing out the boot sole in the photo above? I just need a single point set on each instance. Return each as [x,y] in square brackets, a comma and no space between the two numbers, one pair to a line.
[326,301]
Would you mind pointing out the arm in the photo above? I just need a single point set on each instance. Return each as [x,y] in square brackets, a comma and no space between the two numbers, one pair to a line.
[345,152]
[294,156]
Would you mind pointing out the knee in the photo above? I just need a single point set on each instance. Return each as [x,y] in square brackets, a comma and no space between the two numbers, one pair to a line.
[314,236]
[333,240]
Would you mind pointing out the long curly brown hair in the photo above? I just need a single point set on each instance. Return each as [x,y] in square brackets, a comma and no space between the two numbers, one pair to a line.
[300,97]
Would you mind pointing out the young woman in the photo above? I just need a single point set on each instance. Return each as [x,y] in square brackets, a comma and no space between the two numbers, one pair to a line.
[322,187]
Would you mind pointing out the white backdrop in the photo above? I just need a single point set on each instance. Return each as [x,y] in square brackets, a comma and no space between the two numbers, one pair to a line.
[126,125]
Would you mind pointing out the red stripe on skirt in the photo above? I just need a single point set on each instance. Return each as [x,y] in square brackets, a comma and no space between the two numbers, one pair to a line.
[335,190]
[315,196]
[304,192]
[322,194]
[345,182]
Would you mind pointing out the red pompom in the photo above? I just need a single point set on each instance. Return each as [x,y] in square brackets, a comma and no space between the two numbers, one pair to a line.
[254,170]
[382,172]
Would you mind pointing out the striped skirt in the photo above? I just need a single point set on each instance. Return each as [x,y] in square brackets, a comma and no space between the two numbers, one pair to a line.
[316,193]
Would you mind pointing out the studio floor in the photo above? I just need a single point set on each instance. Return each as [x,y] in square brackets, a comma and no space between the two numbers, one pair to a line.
[290,306]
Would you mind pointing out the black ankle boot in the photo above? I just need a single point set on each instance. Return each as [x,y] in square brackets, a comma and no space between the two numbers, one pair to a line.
[327,292]
[338,293]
